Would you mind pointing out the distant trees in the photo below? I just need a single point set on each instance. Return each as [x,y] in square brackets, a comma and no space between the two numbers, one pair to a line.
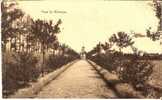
[67,51]
[65,55]
[121,39]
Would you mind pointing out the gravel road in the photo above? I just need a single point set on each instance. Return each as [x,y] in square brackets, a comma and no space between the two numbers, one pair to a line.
[80,80]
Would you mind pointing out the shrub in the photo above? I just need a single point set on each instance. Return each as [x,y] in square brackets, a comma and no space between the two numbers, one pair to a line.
[109,61]
[54,62]
[135,72]
[26,66]
[130,70]
[18,72]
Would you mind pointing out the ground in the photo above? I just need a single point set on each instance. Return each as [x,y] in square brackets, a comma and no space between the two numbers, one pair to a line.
[79,81]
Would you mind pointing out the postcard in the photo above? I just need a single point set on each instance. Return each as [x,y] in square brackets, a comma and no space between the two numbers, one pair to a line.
[81,49]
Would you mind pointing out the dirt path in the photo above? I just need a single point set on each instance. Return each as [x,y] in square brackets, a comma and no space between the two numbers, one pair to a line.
[79,81]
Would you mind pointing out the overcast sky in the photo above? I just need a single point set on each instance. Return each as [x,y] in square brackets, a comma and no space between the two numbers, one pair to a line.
[85,23]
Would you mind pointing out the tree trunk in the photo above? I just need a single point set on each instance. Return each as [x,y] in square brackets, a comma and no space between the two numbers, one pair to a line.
[43,58]
[27,44]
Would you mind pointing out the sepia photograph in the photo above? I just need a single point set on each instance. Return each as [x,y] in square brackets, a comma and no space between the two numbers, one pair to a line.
[81,49]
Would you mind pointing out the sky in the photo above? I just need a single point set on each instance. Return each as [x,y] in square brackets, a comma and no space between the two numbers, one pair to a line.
[88,22]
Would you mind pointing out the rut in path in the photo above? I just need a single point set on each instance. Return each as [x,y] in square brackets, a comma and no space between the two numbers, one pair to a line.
[81,80]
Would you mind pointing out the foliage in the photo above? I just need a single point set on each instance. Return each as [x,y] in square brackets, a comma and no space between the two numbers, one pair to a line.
[121,39]
[128,67]
[152,35]
[55,62]
[109,61]
[19,71]
[45,33]
[136,72]
[157,8]
[9,14]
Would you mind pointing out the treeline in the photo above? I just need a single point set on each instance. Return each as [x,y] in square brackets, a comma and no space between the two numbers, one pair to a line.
[30,48]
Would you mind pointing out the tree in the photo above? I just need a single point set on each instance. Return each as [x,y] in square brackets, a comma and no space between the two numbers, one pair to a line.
[10,13]
[152,35]
[121,39]
[45,33]
[158,12]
